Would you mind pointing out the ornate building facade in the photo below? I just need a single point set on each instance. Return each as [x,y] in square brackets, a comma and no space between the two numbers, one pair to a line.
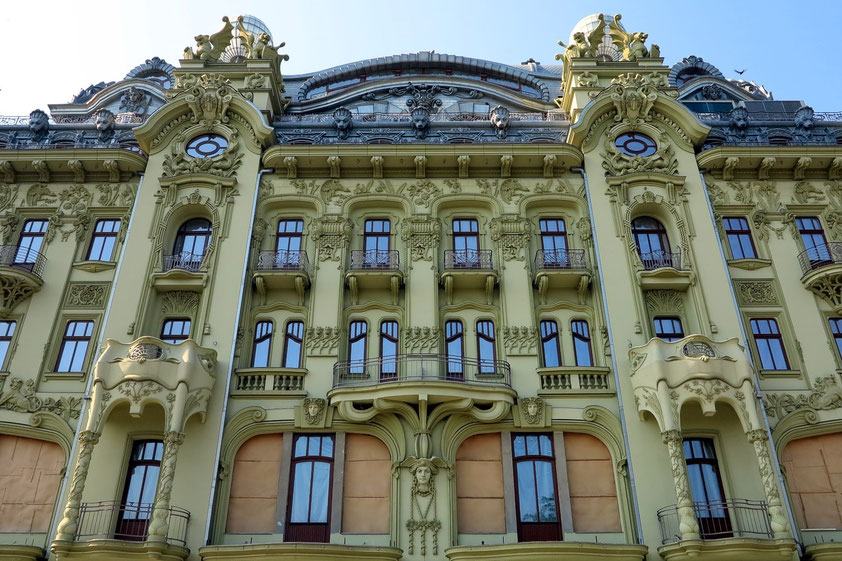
[421,307]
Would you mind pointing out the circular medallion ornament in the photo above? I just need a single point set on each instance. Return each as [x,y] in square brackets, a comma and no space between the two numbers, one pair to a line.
[635,144]
[697,349]
[206,146]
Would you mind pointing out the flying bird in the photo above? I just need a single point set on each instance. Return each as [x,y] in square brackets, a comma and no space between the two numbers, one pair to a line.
[740,72]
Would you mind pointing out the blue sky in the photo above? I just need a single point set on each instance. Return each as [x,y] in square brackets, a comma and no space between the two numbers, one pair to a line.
[56,48]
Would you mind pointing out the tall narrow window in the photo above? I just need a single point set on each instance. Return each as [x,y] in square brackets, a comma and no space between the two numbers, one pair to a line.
[376,244]
[668,328]
[312,474]
[652,243]
[738,232]
[550,346]
[553,242]
[388,349]
[175,330]
[139,490]
[582,342]
[74,346]
[706,488]
[30,242]
[770,344]
[835,327]
[191,243]
[292,344]
[357,339]
[103,240]
[262,344]
[288,244]
[454,346]
[537,501]
[7,331]
[486,351]
[812,236]
[466,243]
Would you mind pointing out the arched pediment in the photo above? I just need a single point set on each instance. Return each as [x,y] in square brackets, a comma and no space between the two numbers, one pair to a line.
[135,96]
[712,88]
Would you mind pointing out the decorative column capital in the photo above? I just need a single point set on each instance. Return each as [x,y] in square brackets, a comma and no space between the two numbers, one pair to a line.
[757,435]
[672,435]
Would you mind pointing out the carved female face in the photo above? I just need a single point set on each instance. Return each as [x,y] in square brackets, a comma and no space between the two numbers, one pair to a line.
[313,410]
[422,476]
[532,409]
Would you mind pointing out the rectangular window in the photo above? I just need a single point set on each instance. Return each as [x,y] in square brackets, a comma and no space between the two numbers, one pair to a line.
[310,489]
[582,342]
[466,243]
[706,488]
[835,327]
[139,492]
[7,331]
[668,329]
[388,349]
[262,344]
[550,346]
[103,240]
[292,344]
[175,330]
[357,339]
[288,244]
[376,239]
[812,236]
[536,497]
[74,346]
[553,242]
[486,351]
[770,344]
[738,233]
[30,242]
[453,342]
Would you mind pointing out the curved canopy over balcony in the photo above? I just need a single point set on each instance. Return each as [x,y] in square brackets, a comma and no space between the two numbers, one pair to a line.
[821,270]
[21,271]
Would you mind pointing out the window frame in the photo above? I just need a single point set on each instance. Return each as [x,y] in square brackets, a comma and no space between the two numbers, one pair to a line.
[297,234]
[836,334]
[357,366]
[167,338]
[712,527]
[25,234]
[5,358]
[182,234]
[448,339]
[822,255]
[486,366]
[586,339]
[558,255]
[260,339]
[322,527]
[75,339]
[465,235]
[779,336]
[97,235]
[551,459]
[670,336]
[389,369]
[143,523]
[298,339]
[546,338]
[740,235]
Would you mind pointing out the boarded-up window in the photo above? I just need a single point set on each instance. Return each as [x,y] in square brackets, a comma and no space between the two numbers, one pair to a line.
[30,471]
[590,475]
[254,486]
[814,474]
[367,486]
[480,507]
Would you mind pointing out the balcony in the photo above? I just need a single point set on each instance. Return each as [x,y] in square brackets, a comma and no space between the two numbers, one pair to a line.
[561,268]
[470,269]
[821,272]
[21,272]
[567,380]
[730,529]
[181,271]
[661,270]
[374,270]
[283,270]
[269,381]
[299,551]
[545,551]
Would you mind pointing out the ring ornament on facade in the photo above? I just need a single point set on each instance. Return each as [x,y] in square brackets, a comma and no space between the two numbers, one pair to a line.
[635,144]
[206,145]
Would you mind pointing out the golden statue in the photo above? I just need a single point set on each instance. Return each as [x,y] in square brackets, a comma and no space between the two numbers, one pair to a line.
[210,47]
[632,46]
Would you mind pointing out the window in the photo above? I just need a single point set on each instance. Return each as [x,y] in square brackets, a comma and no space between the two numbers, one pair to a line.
[739,238]
[812,236]
[635,144]
[486,352]
[668,329]
[7,331]
[582,342]
[30,242]
[103,240]
[706,488]
[357,336]
[74,346]
[139,491]
[550,346]
[292,344]
[453,342]
[376,244]
[388,349]
[835,327]
[310,489]
[466,243]
[770,344]
[652,243]
[553,242]
[191,243]
[175,330]
[288,243]
[537,503]
[206,145]
[262,344]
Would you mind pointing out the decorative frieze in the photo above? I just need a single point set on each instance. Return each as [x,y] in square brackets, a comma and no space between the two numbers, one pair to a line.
[322,341]
[422,234]
[756,293]
[421,340]
[21,397]
[511,233]
[664,302]
[520,340]
[826,395]
[331,235]
[86,295]
[179,302]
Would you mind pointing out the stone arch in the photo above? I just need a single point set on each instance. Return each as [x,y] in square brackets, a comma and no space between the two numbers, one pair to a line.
[650,204]
[194,205]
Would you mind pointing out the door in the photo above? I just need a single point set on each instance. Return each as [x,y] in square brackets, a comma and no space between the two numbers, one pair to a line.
[139,492]
[706,488]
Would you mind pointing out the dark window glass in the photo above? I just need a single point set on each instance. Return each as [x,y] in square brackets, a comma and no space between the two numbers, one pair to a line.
[262,344]
[582,342]
[103,240]
[310,489]
[192,239]
[652,242]
[357,338]
[292,344]
[770,344]
[289,236]
[139,492]
[7,331]
[812,236]
[486,352]
[537,502]
[466,243]
[835,327]
[549,344]
[376,235]
[388,349]
[453,342]
[668,329]
[553,241]
[635,144]
[739,238]
[175,330]
[706,488]
[74,346]
[31,240]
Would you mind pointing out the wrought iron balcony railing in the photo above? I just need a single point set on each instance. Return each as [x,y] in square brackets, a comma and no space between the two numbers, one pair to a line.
[560,259]
[731,518]
[468,259]
[22,258]
[113,520]
[282,260]
[184,261]
[657,259]
[820,256]
[372,259]
[421,367]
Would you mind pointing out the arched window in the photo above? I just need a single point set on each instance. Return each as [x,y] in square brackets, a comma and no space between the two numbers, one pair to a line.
[549,344]
[262,344]
[388,349]
[453,343]
[175,330]
[652,242]
[292,344]
[486,352]
[357,338]
[581,342]
[191,243]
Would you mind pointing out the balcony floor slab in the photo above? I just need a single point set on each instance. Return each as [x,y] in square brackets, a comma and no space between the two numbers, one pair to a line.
[109,550]
[548,551]
[299,552]
[730,549]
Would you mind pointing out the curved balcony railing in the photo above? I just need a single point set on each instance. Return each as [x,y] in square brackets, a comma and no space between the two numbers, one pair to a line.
[468,259]
[113,520]
[22,258]
[420,368]
[184,261]
[731,518]
[367,260]
[282,260]
[657,259]
[820,256]
[560,259]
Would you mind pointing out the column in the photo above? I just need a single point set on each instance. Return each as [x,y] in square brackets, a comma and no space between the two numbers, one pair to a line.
[688,526]
[780,526]
[160,524]
[70,522]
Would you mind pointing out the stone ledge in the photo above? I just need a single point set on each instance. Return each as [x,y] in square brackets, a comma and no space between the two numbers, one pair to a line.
[731,549]
[109,550]
[548,551]
[10,552]
[818,552]
[299,552]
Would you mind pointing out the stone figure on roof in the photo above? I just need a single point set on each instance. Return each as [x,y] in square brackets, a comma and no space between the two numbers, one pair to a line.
[210,47]
[631,45]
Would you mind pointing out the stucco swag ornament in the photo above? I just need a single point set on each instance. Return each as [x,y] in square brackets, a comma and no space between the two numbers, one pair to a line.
[617,163]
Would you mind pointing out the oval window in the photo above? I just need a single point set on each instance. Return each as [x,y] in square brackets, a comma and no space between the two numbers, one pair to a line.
[206,146]
[635,144]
